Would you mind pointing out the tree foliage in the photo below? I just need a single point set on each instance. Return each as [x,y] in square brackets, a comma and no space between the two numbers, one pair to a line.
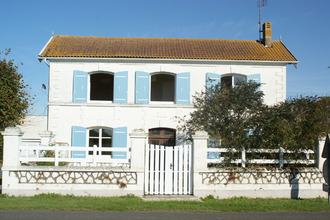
[295,124]
[226,113]
[14,100]
[238,118]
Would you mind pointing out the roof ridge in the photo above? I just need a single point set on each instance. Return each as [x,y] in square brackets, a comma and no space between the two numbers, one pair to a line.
[150,38]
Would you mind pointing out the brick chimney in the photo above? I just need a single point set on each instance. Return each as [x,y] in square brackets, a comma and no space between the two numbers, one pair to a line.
[267,33]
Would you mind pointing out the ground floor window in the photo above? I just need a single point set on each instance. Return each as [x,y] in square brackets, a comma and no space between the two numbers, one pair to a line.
[162,136]
[100,137]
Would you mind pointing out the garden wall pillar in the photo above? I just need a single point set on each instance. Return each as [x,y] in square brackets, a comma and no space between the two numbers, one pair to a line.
[318,154]
[199,160]
[47,138]
[138,140]
[12,139]
[138,143]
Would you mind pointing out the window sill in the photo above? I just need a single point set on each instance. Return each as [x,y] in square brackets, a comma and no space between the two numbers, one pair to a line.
[162,103]
[111,104]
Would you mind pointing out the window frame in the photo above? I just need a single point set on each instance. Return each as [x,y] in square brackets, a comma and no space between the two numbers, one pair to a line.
[99,138]
[233,76]
[89,87]
[174,87]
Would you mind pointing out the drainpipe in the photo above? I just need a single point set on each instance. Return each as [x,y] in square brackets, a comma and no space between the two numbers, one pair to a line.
[45,60]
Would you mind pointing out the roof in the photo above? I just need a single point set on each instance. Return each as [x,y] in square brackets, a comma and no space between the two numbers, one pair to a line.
[161,48]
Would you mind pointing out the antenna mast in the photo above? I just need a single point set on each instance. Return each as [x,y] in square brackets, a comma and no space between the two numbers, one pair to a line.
[261,4]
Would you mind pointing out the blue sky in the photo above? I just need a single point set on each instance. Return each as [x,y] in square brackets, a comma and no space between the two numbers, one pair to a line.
[304,26]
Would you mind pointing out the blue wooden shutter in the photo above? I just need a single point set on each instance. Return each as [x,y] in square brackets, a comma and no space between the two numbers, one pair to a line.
[120,87]
[182,88]
[254,77]
[119,139]
[78,139]
[79,86]
[212,79]
[142,87]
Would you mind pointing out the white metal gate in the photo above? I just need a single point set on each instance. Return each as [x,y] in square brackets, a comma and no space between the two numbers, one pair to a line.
[168,170]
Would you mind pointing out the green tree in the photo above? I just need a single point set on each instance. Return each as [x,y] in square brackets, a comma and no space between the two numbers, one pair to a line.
[294,124]
[14,100]
[226,113]
[238,118]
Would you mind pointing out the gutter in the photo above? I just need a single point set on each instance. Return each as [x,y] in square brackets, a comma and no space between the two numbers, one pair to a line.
[295,63]
[45,60]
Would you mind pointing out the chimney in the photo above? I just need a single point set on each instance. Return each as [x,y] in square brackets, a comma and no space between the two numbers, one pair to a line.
[267,33]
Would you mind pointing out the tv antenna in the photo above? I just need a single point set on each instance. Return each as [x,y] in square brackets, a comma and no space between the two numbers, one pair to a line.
[261,3]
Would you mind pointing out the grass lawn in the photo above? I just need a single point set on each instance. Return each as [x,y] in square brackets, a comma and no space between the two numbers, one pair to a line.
[132,203]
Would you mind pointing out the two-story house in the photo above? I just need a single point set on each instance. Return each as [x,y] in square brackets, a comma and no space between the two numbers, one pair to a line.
[102,88]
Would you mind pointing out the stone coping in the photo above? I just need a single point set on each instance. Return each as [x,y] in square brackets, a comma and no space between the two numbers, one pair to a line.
[68,168]
[261,169]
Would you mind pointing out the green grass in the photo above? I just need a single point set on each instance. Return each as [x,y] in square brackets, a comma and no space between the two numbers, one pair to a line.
[132,203]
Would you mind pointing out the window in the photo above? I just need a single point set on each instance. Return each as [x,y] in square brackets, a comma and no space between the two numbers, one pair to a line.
[232,80]
[101,87]
[162,136]
[162,87]
[103,138]
[100,137]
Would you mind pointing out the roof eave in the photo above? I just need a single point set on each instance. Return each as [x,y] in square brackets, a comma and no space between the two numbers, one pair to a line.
[169,60]
[44,48]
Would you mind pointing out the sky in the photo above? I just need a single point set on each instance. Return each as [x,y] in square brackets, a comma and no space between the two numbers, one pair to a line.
[303,26]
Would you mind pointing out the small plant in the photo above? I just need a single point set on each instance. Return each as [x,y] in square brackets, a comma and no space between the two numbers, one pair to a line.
[52,196]
[208,198]
[129,196]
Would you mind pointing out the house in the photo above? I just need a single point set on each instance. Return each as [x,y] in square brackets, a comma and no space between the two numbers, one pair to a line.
[101,89]
[112,115]
[32,127]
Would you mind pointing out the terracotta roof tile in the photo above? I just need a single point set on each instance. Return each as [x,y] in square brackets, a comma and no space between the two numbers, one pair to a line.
[103,47]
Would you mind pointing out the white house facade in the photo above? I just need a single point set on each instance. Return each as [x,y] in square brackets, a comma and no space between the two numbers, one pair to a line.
[116,85]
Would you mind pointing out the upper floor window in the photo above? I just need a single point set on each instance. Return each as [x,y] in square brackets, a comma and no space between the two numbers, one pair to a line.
[101,87]
[162,87]
[232,80]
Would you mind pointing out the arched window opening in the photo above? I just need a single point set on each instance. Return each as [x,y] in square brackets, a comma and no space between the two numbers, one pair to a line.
[232,80]
[162,136]
[101,138]
[162,87]
[101,87]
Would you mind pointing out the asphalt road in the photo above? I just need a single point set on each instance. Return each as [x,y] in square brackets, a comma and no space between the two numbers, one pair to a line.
[81,215]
